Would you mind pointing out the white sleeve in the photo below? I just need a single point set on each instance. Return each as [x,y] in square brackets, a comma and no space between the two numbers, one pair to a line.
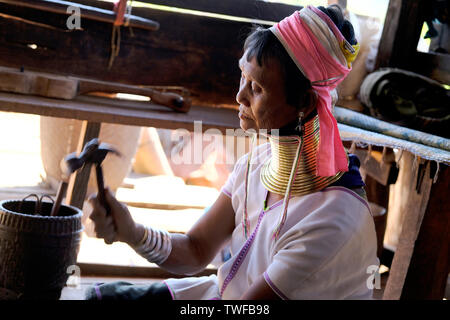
[229,184]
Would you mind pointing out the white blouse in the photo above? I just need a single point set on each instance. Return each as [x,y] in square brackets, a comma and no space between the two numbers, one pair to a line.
[326,248]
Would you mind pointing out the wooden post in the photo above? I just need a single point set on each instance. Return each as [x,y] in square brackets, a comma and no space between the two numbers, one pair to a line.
[401,32]
[398,43]
[76,191]
[430,262]
[410,198]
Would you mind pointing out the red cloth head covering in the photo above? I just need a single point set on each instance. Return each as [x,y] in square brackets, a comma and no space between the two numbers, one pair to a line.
[318,48]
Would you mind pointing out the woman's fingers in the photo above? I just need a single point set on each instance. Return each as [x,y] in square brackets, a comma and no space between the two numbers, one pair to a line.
[104,225]
[115,225]
[117,208]
[109,233]
[98,211]
[106,231]
[110,237]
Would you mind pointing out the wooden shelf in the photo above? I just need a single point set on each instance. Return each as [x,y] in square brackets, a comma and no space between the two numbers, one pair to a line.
[127,112]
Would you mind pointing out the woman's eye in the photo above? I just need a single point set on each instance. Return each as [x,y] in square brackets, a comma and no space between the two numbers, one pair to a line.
[256,88]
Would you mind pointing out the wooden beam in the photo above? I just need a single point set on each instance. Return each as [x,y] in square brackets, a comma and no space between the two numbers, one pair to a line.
[398,43]
[390,28]
[430,261]
[379,166]
[199,53]
[195,52]
[137,113]
[401,32]
[253,9]
[409,199]
[153,271]
[86,12]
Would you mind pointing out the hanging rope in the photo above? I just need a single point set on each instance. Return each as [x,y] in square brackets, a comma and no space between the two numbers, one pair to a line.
[120,7]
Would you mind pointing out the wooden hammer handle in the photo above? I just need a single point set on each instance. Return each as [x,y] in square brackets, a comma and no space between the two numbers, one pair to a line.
[168,99]
[61,193]
[101,188]
[102,195]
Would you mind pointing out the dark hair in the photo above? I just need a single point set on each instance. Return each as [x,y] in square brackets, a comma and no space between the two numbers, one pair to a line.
[263,45]
[345,26]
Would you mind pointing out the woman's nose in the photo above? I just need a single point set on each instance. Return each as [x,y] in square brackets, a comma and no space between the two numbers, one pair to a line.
[241,96]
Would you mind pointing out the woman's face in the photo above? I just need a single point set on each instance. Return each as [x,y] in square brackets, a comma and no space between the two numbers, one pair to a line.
[262,97]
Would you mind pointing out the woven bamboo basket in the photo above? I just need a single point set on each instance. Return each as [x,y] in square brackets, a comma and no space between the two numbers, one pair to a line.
[36,249]
[59,137]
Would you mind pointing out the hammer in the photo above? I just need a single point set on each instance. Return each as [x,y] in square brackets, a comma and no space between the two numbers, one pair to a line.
[93,152]
[96,157]
[69,165]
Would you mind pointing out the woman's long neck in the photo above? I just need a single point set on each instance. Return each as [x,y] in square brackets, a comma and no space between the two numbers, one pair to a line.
[276,172]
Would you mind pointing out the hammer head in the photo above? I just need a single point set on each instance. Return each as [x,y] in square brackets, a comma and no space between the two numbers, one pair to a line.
[98,155]
[93,152]
[72,162]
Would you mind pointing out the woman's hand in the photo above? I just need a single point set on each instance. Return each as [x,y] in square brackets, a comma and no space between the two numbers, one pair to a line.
[118,224]
[191,252]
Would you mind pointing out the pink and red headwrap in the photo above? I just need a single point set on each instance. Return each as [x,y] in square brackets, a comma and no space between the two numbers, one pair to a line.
[321,53]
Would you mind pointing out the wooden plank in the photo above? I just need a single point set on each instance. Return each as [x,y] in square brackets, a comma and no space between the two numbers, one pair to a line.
[77,188]
[430,262]
[184,52]
[401,32]
[196,52]
[383,170]
[67,88]
[390,28]
[253,9]
[398,43]
[246,9]
[410,197]
[97,109]
[86,12]
[377,169]
[97,270]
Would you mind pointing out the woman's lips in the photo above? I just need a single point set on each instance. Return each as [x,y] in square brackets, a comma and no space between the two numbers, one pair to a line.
[243,117]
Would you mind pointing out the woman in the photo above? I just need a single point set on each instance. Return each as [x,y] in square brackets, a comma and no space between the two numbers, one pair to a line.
[297,227]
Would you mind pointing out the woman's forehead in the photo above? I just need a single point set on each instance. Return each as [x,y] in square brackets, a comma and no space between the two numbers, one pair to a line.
[265,74]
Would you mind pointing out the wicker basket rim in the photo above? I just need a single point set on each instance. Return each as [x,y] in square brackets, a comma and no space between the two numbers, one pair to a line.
[77,215]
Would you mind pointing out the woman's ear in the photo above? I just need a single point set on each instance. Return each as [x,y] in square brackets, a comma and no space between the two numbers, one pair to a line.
[308,103]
